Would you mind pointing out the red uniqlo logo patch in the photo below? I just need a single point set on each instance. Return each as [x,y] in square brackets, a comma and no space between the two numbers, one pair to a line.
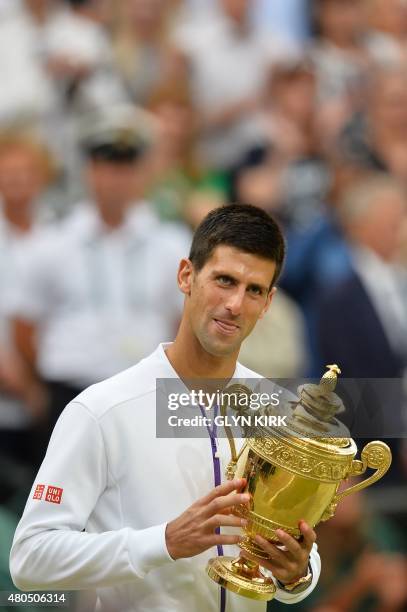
[39,490]
[53,495]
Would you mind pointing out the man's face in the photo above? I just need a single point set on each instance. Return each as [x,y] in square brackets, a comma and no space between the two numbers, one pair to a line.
[21,176]
[297,97]
[147,13]
[226,297]
[237,10]
[112,184]
[381,229]
[342,18]
[388,104]
[38,5]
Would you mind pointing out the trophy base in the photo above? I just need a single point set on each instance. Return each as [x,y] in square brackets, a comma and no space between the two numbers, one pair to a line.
[242,577]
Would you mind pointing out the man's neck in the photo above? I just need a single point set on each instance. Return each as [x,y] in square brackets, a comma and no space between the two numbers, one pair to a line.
[18,216]
[112,217]
[39,15]
[240,27]
[190,360]
[346,43]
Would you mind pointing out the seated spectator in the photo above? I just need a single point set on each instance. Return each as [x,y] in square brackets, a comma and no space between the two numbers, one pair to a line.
[362,322]
[63,57]
[171,168]
[228,98]
[341,59]
[27,88]
[387,39]
[79,57]
[287,171]
[172,172]
[376,137]
[145,54]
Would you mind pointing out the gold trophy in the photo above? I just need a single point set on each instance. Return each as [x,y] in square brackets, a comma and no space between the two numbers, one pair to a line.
[292,473]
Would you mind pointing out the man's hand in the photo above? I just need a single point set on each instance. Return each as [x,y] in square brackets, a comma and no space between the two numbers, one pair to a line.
[17,381]
[288,562]
[194,531]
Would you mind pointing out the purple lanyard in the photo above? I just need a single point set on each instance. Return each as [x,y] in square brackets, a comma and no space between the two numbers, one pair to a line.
[217,481]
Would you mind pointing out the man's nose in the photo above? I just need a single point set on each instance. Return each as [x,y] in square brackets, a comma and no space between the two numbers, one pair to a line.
[234,303]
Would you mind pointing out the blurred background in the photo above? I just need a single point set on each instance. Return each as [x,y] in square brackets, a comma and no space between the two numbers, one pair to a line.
[121,125]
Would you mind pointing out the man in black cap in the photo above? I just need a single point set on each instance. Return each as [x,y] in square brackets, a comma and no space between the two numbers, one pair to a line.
[99,291]
[114,152]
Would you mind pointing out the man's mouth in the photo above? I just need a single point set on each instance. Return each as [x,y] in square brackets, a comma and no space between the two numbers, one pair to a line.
[226,327]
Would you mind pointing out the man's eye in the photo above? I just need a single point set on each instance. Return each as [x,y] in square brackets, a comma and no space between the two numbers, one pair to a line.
[256,290]
[225,280]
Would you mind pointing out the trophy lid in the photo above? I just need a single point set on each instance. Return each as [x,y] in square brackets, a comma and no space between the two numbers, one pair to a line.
[313,414]
[313,442]
[309,419]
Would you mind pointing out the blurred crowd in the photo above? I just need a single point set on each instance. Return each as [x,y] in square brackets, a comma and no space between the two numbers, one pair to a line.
[123,123]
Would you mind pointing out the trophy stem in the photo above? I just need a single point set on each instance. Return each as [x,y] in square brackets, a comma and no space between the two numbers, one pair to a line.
[246,568]
[241,576]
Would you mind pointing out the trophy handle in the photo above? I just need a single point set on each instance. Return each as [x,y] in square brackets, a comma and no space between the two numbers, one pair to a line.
[375,455]
[231,468]
[238,390]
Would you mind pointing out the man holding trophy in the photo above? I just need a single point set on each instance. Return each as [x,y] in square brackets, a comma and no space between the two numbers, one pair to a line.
[136,517]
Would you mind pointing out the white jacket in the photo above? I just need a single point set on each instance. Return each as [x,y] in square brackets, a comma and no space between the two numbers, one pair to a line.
[113,487]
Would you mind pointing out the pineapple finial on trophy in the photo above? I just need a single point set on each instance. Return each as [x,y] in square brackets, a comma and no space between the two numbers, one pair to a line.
[329,379]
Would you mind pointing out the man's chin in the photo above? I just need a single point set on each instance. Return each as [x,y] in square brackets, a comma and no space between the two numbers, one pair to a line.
[221,349]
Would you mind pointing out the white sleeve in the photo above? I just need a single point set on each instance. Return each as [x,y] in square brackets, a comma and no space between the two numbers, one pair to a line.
[315,562]
[51,550]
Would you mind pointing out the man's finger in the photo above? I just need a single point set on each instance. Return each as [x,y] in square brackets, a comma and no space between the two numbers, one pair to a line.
[226,511]
[309,535]
[222,539]
[270,564]
[271,549]
[224,489]
[222,520]
[220,503]
[289,542]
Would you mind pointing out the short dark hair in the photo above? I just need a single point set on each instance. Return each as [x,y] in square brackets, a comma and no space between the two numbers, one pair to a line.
[114,152]
[244,227]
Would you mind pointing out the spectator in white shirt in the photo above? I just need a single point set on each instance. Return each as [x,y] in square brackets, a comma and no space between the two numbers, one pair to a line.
[341,59]
[25,170]
[387,38]
[26,86]
[229,60]
[98,291]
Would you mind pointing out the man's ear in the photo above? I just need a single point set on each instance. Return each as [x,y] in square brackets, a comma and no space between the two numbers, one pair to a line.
[270,296]
[185,275]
